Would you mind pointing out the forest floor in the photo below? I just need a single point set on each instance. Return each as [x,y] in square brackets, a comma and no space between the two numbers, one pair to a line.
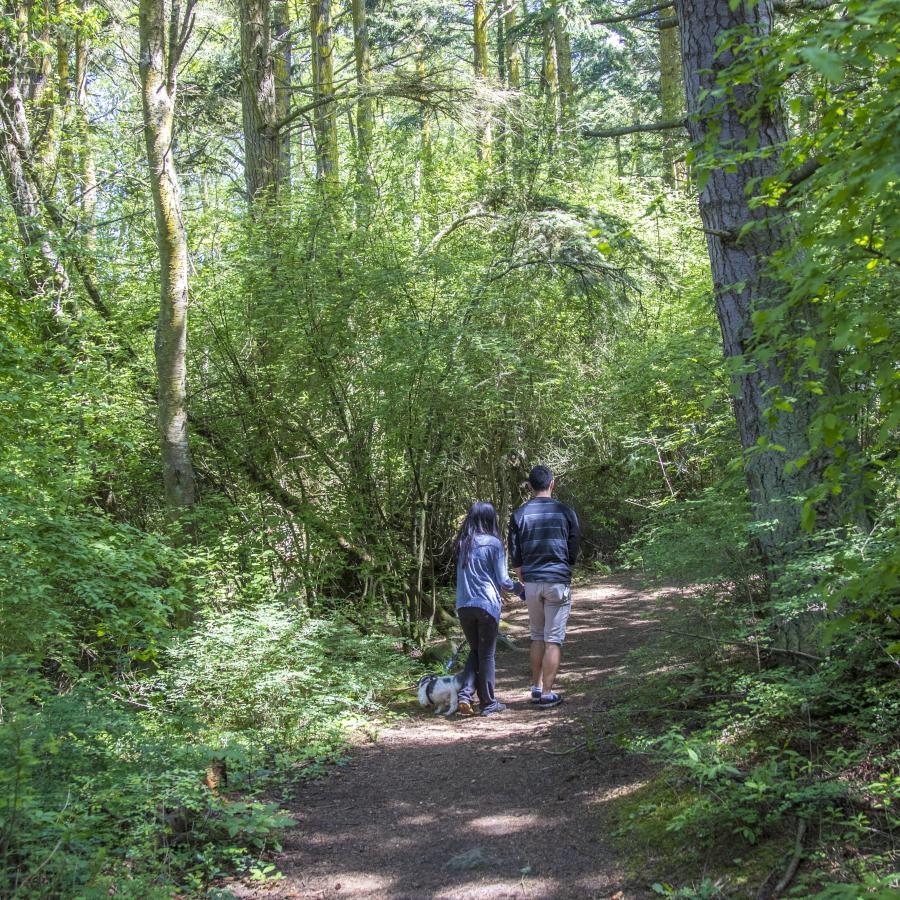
[511,806]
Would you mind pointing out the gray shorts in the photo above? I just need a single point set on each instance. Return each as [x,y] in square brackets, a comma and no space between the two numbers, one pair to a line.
[549,605]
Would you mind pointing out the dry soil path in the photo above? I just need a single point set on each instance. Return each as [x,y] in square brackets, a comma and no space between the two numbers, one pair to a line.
[482,808]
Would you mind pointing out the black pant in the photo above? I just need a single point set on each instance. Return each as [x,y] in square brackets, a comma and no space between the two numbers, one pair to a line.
[480,629]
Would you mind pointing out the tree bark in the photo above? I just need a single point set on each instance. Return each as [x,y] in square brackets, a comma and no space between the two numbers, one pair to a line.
[513,74]
[671,93]
[365,118]
[549,81]
[161,46]
[259,102]
[281,26]
[739,262]
[480,61]
[87,189]
[43,268]
[325,118]
[564,71]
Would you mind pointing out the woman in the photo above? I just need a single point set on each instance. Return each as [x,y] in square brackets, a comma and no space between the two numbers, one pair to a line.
[481,578]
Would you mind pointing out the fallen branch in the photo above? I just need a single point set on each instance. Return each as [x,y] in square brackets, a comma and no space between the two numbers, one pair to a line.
[664,125]
[794,864]
[704,637]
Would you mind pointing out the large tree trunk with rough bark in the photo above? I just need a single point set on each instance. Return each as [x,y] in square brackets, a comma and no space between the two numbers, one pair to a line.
[162,40]
[739,261]
[263,161]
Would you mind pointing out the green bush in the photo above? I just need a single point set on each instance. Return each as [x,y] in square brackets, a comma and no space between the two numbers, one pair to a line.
[270,671]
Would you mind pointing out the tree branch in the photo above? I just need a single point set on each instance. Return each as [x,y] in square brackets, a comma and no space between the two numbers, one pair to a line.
[802,172]
[665,125]
[794,6]
[477,213]
[631,16]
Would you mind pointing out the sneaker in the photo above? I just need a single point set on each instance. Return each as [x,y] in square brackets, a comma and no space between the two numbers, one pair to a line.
[535,695]
[465,708]
[495,707]
[548,701]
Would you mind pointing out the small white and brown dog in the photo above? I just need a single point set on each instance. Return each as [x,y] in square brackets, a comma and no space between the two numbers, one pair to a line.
[441,692]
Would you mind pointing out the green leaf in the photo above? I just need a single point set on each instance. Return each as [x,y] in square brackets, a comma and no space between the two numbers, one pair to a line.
[826,63]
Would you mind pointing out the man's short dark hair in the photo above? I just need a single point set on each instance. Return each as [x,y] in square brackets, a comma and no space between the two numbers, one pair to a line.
[540,477]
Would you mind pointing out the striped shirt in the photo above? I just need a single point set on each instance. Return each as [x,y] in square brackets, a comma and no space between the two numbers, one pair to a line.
[544,538]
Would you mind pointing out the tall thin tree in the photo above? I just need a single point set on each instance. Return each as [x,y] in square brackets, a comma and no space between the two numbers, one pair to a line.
[164,28]
[480,64]
[325,115]
[671,92]
[365,113]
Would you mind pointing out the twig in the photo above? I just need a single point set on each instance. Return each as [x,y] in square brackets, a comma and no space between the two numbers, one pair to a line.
[30,876]
[127,700]
[662,465]
[573,749]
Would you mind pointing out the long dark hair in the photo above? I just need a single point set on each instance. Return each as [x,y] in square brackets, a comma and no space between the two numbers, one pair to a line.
[480,519]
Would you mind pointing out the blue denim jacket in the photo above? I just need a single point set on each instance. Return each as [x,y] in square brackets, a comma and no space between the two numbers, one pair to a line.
[479,579]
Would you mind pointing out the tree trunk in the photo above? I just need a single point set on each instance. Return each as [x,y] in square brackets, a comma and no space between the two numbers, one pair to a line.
[738,262]
[480,61]
[325,119]
[549,81]
[422,174]
[671,93]
[87,191]
[564,71]
[365,115]
[281,26]
[43,268]
[259,104]
[161,43]
[513,75]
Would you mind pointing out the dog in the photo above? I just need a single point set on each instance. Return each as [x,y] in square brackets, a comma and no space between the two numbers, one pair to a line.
[441,692]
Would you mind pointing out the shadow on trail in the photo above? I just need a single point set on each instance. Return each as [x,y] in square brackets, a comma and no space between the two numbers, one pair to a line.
[510,806]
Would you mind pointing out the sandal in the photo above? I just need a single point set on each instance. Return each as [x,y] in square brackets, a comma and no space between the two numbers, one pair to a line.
[548,701]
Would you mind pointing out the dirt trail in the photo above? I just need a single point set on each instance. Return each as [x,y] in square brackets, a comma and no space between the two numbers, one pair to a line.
[477,808]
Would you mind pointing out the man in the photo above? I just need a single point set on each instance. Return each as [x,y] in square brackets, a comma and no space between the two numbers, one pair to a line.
[544,538]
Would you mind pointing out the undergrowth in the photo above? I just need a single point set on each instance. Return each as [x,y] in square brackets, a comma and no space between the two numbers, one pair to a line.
[103,787]
[777,774]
